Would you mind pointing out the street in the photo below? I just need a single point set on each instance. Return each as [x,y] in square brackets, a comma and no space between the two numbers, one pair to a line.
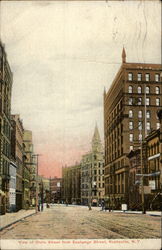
[77,222]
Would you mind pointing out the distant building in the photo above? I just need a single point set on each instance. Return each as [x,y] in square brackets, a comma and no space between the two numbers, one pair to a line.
[55,189]
[30,163]
[17,151]
[130,107]
[6,80]
[12,187]
[26,179]
[71,184]
[45,183]
[92,173]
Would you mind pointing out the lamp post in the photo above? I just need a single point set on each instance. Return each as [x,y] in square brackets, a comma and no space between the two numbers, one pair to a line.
[36,201]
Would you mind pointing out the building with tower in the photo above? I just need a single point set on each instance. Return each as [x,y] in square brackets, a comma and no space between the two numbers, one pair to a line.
[92,173]
[130,108]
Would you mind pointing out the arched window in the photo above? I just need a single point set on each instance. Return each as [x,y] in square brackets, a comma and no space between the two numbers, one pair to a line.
[130,89]
[140,114]
[130,113]
[139,90]
[157,90]
[147,90]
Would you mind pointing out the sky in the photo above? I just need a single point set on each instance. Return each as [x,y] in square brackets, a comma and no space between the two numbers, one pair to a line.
[62,55]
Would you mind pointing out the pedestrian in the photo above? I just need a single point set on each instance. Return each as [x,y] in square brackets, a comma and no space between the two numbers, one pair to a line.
[102,204]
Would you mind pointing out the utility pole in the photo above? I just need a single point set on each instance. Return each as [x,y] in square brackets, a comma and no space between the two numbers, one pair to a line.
[142,161]
[142,184]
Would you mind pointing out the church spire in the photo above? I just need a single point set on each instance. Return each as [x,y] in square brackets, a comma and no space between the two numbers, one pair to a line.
[96,141]
[123,55]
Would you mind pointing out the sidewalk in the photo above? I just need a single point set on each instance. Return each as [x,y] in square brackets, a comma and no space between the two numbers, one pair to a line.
[11,218]
[152,213]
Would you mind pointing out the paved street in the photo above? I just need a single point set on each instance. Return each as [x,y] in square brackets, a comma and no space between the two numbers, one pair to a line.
[74,222]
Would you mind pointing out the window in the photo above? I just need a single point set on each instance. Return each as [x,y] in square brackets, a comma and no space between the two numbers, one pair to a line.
[130,89]
[140,125]
[157,101]
[140,137]
[148,125]
[157,77]
[147,90]
[130,76]
[130,113]
[157,125]
[157,90]
[131,148]
[130,125]
[140,114]
[130,101]
[147,101]
[139,77]
[139,101]
[148,114]
[131,137]
[147,77]
[139,90]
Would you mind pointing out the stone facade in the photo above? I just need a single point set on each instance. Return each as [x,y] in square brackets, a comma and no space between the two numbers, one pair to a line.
[17,151]
[92,173]
[6,80]
[130,108]
[12,187]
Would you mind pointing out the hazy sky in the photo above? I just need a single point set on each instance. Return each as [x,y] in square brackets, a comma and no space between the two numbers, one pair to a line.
[62,54]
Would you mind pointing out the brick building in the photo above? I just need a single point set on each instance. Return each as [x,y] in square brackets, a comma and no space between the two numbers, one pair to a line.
[134,181]
[6,80]
[154,165]
[130,108]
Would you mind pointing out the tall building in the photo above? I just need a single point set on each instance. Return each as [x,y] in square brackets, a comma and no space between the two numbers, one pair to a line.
[30,163]
[92,173]
[71,184]
[6,80]
[130,108]
[17,151]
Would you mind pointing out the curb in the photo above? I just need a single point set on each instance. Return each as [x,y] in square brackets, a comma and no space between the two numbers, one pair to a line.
[121,212]
[8,225]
